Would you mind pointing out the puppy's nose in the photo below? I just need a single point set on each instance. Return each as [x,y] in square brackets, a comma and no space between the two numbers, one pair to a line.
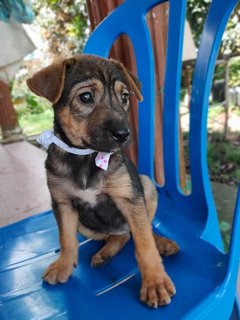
[121,135]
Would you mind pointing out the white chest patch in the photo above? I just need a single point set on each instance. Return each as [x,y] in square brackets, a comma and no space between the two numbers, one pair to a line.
[88,195]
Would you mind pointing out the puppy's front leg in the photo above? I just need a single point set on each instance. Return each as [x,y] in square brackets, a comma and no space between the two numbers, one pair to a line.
[61,269]
[157,288]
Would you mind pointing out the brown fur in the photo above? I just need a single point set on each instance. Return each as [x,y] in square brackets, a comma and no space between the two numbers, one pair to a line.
[90,97]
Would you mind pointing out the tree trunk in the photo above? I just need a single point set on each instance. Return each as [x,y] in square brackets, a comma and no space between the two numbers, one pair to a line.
[8,117]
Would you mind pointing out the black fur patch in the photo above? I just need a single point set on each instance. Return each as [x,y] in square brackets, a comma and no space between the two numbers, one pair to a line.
[103,217]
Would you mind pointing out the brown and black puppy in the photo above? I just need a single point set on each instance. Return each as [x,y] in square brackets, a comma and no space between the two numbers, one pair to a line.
[90,97]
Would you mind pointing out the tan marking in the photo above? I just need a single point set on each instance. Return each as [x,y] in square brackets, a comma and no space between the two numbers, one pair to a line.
[56,187]
[119,88]
[61,269]
[114,243]
[93,85]
[119,184]
[75,130]
[150,194]
[131,79]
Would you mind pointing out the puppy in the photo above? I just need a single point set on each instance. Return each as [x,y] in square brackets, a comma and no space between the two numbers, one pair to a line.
[90,97]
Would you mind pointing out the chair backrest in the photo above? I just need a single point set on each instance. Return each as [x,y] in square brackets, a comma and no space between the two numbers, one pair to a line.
[130,19]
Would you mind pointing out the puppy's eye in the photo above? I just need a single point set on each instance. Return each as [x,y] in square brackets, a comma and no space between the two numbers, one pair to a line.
[86,97]
[125,97]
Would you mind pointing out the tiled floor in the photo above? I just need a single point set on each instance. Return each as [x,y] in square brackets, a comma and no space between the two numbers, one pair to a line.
[23,188]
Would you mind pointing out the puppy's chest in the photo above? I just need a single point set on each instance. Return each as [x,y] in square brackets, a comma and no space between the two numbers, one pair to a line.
[83,185]
[98,212]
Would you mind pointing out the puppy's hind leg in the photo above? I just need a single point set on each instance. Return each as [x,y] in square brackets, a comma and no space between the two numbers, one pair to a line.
[165,246]
[114,243]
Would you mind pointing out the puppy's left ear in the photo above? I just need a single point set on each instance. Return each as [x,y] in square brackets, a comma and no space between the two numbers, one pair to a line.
[132,80]
[49,82]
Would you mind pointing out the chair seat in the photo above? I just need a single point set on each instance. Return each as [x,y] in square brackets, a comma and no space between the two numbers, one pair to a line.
[27,247]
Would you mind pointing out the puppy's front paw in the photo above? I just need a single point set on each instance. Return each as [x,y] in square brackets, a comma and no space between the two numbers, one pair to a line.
[58,272]
[157,291]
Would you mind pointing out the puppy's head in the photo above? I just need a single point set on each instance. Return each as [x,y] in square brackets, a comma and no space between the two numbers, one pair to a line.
[90,97]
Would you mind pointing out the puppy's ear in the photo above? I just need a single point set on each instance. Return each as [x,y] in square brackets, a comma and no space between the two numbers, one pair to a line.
[48,82]
[132,80]
[136,85]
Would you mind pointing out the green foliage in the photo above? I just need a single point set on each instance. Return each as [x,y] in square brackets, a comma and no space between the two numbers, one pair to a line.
[237,174]
[64,24]
[219,72]
[36,123]
[225,228]
[214,111]
[234,72]
[32,106]
[34,113]
[231,37]
[183,93]
[196,14]
[223,159]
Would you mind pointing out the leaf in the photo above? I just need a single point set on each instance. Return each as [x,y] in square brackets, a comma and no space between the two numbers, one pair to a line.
[225,226]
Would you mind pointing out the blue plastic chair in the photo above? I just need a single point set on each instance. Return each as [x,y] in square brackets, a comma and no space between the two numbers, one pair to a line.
[205,277]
